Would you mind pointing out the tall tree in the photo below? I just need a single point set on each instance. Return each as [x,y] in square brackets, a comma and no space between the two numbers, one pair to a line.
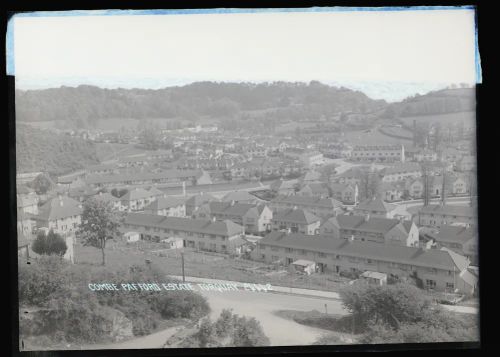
[99,224]
[41,184]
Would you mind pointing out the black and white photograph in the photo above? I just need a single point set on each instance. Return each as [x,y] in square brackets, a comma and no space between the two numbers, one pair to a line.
[245,177]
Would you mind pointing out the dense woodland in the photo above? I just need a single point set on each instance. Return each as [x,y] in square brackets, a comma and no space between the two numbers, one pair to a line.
[451,100]
[39,150]
[84,105]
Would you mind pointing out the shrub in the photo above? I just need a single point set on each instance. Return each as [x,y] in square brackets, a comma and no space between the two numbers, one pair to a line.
[41,279]
[52,243]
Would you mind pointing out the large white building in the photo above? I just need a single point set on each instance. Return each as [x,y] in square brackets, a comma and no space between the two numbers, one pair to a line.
[379,153]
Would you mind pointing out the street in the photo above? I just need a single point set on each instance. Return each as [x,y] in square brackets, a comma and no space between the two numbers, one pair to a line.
[261,305]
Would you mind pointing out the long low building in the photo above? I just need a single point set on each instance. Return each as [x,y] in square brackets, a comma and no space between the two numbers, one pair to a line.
[371,229]
[202,234]
[167,178]
[438,269]
[380,153]
[439,215]
[321,207]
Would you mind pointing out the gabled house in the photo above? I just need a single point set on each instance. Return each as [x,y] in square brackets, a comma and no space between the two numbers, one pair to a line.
[295,220]
[462,240]
[194,202]
[401,172]
[254,218]
[392,191]
[282,187]
[438,215]
[136,199]
[313,189]
[167,206]
[62,214]
[375,207]
[109,199]
[371,229]
[321,207]
[346,193]
[202,234]
[415,188]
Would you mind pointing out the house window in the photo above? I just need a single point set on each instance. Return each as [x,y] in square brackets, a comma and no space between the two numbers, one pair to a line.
[431,284]
[450,286]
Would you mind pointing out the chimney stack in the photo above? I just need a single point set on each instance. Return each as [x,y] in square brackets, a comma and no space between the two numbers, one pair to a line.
[351,238]
[367,217]
[184,188]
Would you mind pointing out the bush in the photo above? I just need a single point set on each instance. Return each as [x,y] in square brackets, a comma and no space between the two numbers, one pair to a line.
[52,243]
[42,279]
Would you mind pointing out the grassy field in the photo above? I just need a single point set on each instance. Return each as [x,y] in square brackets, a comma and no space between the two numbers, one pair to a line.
[121,256]
[468,118]
[108,151]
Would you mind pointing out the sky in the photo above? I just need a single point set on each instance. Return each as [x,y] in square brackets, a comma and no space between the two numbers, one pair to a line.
[399,51]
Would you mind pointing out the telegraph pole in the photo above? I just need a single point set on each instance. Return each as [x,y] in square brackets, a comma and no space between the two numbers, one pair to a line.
[182,261]
[443,188]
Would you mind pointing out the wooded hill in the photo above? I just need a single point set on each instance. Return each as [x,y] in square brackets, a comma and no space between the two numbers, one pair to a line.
[436,102]
[84,105]
[39,150]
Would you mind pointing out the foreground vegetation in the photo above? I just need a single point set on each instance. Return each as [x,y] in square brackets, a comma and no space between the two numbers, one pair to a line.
[229,330]
[56,305]
[397,313]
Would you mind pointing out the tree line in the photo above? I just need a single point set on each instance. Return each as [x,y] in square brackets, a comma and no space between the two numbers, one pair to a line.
[85,105]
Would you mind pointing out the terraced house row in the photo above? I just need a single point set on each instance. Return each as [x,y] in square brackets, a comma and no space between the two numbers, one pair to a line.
[437,269]
[210,235]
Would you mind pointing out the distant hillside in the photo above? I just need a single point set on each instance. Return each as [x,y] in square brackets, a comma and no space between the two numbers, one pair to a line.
[438,102]
[39,150]
[84,105]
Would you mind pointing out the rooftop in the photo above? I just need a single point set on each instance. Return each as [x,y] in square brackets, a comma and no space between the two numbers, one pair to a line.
[432,258]
[295,216]
[376,204]
[59,207]
[225,228]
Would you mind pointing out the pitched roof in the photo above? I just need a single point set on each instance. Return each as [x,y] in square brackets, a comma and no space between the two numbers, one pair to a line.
[283,185]
[453,210]
[155,192]
[338,187]
[354,172]
[226,228]
[330,203]
[164,202]
[312,176]
[139,176]
[229,208]
[455,234]
[295,216]
[239,196]
[106,197]
[316,188]
[401,168]
[360,223]
[135,194]
[432,258]
[199,199]
[59,207]
[376,204]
